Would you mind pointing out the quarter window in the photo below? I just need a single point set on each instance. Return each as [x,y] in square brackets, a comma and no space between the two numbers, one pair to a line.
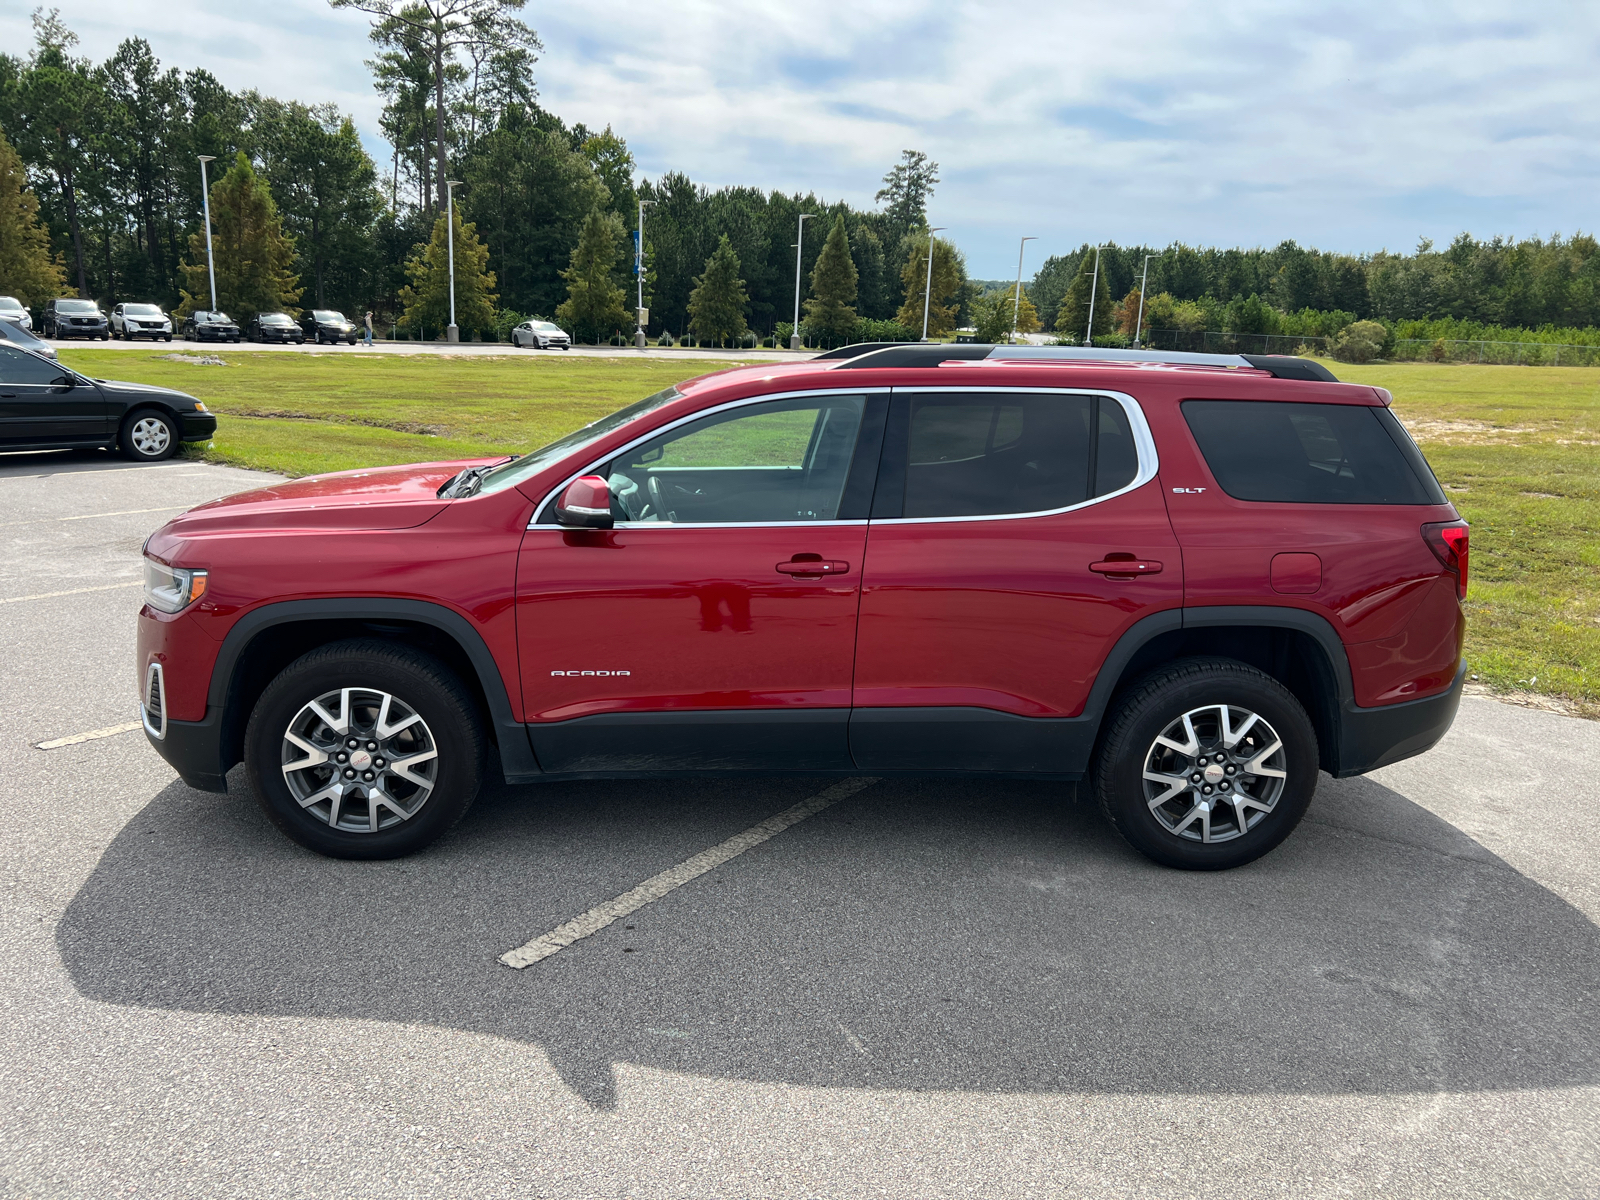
[1273,450]
[988,454]
[782,461]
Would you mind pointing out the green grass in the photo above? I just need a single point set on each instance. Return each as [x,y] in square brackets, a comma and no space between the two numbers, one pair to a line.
[1517,447]
[303,414]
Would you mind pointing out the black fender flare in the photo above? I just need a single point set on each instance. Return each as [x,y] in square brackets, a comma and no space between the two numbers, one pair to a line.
[516,752]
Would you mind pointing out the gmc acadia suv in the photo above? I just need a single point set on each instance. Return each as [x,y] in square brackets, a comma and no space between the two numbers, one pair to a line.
[1188,580]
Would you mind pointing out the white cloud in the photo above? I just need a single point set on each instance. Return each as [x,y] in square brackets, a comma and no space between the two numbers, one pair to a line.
[1348,127]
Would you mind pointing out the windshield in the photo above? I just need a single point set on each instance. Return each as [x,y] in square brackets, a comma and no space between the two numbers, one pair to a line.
[276,319]
[216,318]
[10,304]
[546,327]
[140,310]
[77,306]
[328,315]
[515,472]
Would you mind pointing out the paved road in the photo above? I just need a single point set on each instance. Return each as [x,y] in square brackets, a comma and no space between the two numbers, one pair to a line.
[467,348]
[930,989]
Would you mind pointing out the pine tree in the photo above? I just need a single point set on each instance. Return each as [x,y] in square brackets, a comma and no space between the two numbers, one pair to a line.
[718,302]
[830,310]
[949,276]
[1073,317]
[253,254]
[426,300]
[594,304]
[28,269]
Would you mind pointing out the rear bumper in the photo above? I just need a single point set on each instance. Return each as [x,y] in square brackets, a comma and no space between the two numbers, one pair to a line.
[1370,738]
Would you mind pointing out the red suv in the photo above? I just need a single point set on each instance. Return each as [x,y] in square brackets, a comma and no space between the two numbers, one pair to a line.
[1190,580]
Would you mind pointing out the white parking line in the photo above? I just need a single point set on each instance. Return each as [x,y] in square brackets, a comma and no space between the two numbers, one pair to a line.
[108,731]
[110,587]
[126,512]
[670,880]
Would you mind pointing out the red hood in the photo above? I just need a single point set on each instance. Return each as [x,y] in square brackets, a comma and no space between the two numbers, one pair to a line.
[374,498]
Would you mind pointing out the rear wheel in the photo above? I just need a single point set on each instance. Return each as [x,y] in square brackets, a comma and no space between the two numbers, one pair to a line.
[148,436]
[365,749]
[1207,764]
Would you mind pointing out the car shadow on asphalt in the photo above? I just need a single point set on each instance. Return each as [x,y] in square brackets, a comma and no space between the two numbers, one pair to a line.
[988,936]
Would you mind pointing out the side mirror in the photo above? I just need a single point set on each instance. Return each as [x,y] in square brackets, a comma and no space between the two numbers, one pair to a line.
[586,504]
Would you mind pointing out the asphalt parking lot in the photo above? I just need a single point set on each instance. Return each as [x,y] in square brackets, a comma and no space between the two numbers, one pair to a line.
[927,989]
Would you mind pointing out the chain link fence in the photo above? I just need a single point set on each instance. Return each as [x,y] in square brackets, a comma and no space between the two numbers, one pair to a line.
[1450,350]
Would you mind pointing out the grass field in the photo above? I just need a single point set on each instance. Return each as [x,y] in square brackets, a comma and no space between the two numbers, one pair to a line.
[1518,448]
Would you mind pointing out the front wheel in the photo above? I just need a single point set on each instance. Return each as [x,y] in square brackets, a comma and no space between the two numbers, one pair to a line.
[1206,764]
[365,749]
[148,436]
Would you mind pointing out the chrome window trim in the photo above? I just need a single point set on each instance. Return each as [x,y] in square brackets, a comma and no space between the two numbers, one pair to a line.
[1144,443]
[536,522]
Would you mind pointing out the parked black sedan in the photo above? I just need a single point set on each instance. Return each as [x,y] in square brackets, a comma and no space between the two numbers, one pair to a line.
[11,331]
[207,326]
[325,325]
[70,317]
[46,406]
[273,327]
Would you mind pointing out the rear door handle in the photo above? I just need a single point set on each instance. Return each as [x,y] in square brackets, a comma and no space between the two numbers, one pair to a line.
[1126,566]
[813,566]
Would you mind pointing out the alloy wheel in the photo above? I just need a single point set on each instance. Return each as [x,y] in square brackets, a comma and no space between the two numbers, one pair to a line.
[1215,773]
[359,759]
[150,436]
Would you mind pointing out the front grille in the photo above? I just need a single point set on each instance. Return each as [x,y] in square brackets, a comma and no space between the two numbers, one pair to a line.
[153,708]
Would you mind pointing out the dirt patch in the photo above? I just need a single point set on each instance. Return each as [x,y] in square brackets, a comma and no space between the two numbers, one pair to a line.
[281,414]
[199,360]
[1541,495]
[1565,705]
[1464,432]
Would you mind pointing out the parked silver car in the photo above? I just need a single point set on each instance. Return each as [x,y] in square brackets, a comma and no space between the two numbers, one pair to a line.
[12,331]
[541,335]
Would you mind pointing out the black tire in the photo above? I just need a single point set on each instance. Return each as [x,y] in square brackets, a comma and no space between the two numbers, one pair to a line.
[169,337]
[450,720]
[139,439]
[1162,699]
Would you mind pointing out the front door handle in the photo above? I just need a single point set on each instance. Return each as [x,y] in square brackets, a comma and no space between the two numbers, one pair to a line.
[815,566]
[1126,566]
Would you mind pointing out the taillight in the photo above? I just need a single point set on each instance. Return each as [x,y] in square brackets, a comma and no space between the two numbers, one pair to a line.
[1449,542]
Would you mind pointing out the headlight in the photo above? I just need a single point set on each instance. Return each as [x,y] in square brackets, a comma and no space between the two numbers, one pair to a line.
[200,406]
[172,589]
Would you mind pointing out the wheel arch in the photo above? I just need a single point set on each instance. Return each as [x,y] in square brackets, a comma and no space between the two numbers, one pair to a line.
[1299,649]
[267,639]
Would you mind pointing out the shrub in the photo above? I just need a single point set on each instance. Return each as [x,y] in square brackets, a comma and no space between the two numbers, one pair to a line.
[883,331]
[505,321]
[665,339]
[1437,350]
[1360,342]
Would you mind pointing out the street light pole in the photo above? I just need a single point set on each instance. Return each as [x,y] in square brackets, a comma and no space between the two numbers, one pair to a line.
[799,240]
[205,199]
[927,288]
[1094,286]
[452,334]
[1144,282]
[1016,303]
[638,269]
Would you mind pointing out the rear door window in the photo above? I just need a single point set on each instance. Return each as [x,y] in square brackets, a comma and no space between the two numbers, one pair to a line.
[1295,453]
[988,454]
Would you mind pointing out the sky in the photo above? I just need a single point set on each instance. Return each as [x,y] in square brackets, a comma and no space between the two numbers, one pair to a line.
[1350,127]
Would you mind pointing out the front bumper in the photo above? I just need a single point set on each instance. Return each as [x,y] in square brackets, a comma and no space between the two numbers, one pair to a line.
[194,750]
[1370,738]
[198,426]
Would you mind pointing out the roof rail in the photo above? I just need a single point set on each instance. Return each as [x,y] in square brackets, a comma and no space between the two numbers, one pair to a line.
[913,354]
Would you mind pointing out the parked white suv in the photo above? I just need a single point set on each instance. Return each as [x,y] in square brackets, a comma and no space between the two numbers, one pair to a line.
[129,321]
[12,309]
